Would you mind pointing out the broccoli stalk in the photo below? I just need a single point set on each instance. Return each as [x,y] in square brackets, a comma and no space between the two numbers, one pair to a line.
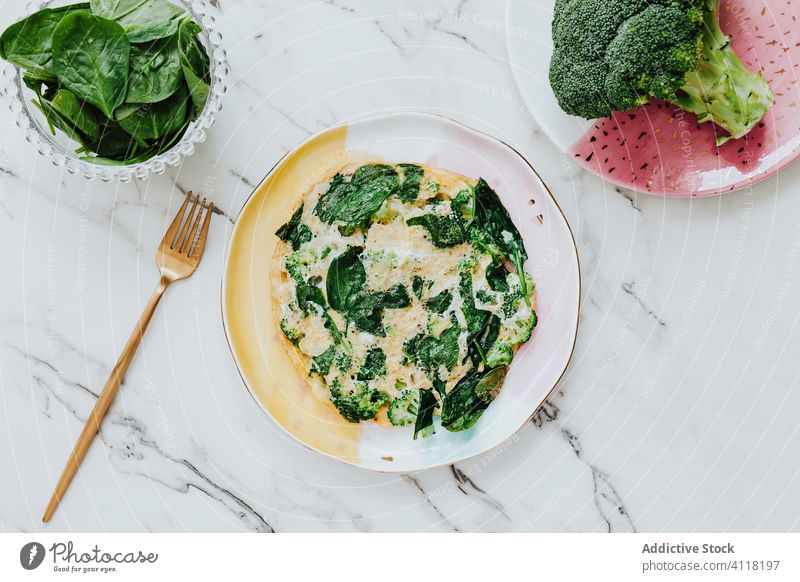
[721,88]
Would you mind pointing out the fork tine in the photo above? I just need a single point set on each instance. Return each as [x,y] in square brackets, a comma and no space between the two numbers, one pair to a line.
[182,236]
[189,242]
[172,231]
[197,251]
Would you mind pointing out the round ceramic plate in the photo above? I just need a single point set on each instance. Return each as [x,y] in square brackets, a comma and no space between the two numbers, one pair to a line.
[253,333]
[660,149]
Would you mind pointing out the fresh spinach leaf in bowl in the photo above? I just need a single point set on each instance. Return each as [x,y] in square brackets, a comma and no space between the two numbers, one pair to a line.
[123,78]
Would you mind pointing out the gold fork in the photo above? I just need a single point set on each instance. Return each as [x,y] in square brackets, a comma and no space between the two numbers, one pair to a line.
[177,258]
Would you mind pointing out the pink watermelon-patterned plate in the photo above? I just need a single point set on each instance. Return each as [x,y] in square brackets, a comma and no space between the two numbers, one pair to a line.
[660,149]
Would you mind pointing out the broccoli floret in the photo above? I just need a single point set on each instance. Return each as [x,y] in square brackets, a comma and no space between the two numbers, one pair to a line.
[500,354]
[298,263]
[361,403]
[518,319]
[292,335]
[518,329]
[615,55]
[404,408]
[511,299]
[374,365]
[343,361]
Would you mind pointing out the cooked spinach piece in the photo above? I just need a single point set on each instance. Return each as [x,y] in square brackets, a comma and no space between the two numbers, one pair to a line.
[465,403]
[122,102]
[151,20]
[321,364]
[311,299]
[412,178]
[367,311]
[29,42]
[463,205]
[483,327]
[346,277]
[431,352]
[439,386]
[493,220]
[445,229]
[485,296]
[439,303]
[480,344]
[374,365]
[91,57]
[423,426]
[156,120]
[354,201]
[156,71]
[295,232]
[475,318]
[308,295]
[496,275]
[420,286]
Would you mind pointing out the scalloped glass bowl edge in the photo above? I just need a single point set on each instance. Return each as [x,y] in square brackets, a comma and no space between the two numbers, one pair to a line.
[61,151]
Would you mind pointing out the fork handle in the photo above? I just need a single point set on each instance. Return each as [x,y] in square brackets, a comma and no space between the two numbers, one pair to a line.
[104,401]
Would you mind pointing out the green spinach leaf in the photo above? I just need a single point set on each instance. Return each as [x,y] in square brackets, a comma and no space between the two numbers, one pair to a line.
[29,42]
[155,120]
[480,344]
[423,426]
[439,303]
[354,202]
[442,351]
[321,364]
[496,275]
[308,296]
[295,232]
[467,401]
[91,58]
[78,116]
[475,318]
[493,220]
[114,9]
[374,365]
[412,178]
[418,285]
[151,20]
[445,229]
[196,65]
[367,310]
[114,143]
[155,71]
[345,279]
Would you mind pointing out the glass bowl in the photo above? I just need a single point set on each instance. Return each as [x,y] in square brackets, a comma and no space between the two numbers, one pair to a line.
[61,150]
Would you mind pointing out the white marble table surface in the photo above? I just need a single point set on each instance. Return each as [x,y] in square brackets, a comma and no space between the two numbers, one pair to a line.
[679,411]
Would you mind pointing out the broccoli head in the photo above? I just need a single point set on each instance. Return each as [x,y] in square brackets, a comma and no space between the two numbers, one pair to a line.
[500,354]
[291,334]
[615,55]
[404,408]
[361,403]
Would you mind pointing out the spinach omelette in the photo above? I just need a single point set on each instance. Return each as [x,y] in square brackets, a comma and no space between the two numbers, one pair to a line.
[401,294]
